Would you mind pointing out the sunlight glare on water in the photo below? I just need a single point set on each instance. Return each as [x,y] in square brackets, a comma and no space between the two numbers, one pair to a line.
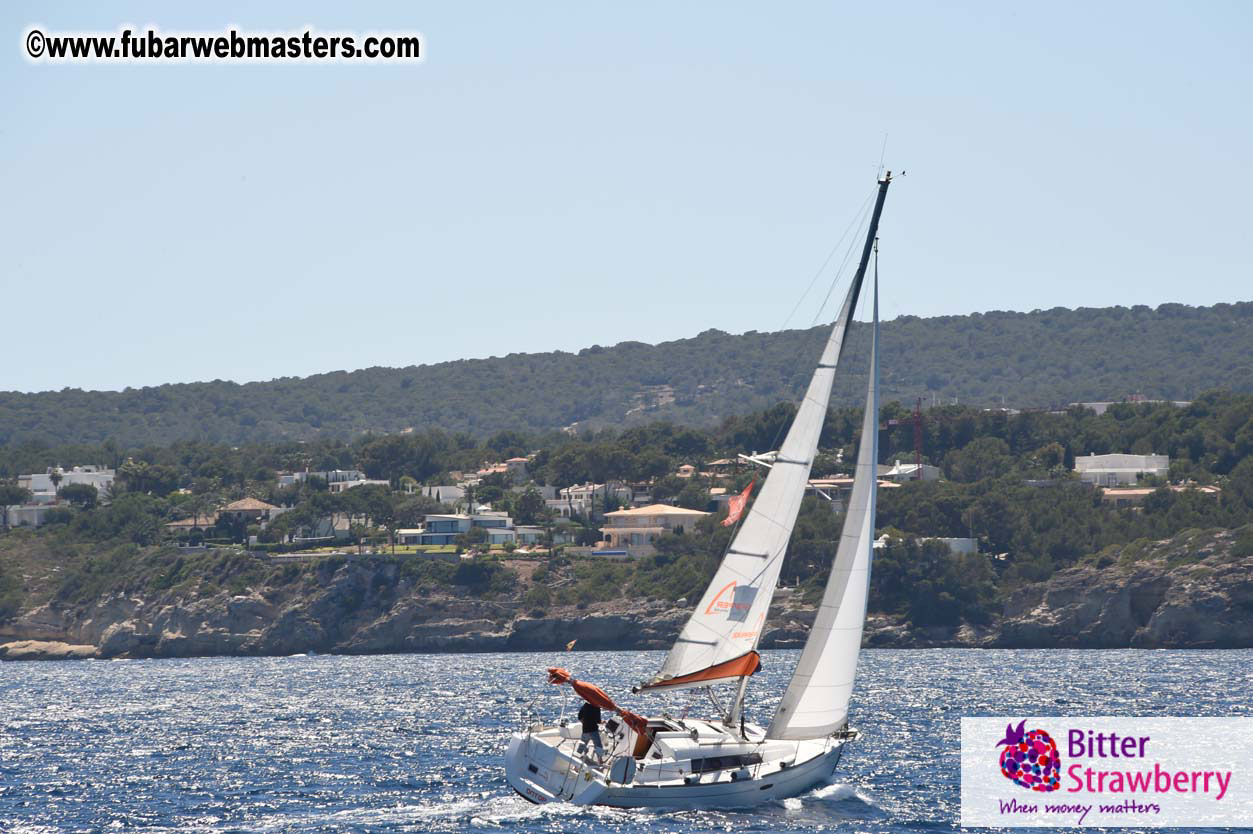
[398,743]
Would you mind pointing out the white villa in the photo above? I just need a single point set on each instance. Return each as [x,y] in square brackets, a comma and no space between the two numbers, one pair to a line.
[902,472]
[445,494]
[41,484]
[344,486]
[331,476]
[1116,470]
[444,528]
[588,492]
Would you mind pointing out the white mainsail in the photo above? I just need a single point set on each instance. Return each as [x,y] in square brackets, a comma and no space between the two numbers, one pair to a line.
[816,701]
[726,626]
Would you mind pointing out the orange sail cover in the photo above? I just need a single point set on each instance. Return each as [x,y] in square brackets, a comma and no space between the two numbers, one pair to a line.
[593,694]
[736,667]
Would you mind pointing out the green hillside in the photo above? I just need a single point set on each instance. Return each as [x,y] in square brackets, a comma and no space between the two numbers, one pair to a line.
[1041,358]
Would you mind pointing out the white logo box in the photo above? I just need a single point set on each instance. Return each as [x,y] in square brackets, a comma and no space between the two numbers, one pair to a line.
[1115,772]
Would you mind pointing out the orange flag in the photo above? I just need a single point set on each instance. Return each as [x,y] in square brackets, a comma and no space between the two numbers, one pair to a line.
[735,507]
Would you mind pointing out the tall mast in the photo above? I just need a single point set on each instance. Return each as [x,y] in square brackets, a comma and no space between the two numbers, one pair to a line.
[872,233]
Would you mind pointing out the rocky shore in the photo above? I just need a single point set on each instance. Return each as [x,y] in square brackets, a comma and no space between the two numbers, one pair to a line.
[1195,593]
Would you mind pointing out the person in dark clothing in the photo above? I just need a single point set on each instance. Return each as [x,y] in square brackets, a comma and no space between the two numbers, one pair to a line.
[589,717]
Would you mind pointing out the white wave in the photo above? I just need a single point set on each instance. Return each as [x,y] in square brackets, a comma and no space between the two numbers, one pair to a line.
[835,790]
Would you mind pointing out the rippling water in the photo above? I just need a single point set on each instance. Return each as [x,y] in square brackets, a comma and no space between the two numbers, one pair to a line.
[414,742]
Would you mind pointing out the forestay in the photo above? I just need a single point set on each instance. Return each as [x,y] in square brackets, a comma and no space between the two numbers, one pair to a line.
[816,701]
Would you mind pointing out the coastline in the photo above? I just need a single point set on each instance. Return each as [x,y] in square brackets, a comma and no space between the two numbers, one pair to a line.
[1194,592]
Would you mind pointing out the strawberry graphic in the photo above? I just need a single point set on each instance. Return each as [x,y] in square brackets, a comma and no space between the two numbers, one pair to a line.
[1030,759]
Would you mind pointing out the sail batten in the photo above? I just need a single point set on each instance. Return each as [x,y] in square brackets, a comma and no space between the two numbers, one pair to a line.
[732,612]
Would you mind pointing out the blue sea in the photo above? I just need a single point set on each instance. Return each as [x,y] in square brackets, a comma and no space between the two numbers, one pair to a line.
[399,743]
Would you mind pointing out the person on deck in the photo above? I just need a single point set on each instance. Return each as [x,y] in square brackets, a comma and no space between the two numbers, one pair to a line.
[589,717]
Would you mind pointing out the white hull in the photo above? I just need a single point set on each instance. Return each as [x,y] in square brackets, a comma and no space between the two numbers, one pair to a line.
[544,767]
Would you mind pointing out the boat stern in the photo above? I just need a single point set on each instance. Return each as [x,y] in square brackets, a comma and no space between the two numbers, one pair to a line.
[522,775]
[542,772]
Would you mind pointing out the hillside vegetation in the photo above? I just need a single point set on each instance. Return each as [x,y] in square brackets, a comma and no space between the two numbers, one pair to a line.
[1040,358]
[1009,483]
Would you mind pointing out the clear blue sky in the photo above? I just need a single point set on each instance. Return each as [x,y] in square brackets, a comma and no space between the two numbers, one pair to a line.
[587,173]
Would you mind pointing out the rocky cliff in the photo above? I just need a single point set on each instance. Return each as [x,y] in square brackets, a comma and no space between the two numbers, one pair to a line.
[1193,591]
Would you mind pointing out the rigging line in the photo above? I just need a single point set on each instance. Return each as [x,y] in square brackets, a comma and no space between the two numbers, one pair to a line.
[857,224]
[851,225]
[835,279]
[848,254]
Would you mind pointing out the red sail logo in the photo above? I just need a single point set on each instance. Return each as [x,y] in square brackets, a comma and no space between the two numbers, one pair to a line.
[719,605]
[727,601]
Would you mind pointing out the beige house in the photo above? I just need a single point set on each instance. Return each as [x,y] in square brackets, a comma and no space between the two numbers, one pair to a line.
[635,530]
[250,509]
[1133,496]
[196,521]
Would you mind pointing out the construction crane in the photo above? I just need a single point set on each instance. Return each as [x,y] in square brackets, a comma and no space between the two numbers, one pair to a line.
[917,421]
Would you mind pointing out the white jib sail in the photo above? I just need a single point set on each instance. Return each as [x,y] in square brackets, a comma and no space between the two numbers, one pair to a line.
[728,621]
[816,701]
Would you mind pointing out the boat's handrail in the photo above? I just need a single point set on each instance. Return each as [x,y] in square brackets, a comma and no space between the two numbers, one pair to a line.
[527,712]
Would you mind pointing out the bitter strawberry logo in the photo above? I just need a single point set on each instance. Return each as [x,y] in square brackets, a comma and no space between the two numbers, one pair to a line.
[1030,758]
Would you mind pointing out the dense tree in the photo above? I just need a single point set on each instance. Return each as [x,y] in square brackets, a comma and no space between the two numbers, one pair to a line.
[986,457]
[530,508]
[10,594]
[10,494]
[82,495]
[1041,358]
[930,585]
[156,479]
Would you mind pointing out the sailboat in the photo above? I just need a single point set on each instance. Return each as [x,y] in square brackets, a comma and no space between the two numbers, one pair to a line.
[728,761]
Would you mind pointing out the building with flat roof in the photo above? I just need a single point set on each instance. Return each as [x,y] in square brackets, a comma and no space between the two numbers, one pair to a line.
[902,472]
[955,545]
[444,528]
[568,507]
[529,534]
[44,484]
[1118,469]
[27,515]
[596,492]
[1135,399]
[330,476]
[344,486]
